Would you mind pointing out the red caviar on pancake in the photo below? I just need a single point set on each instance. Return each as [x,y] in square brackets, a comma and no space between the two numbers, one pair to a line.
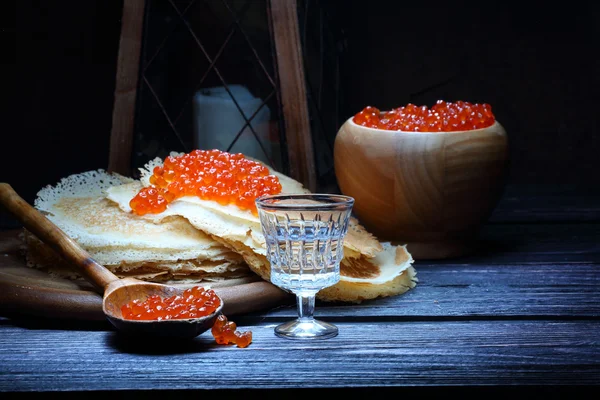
[442,117]
[195,302]
[224,177]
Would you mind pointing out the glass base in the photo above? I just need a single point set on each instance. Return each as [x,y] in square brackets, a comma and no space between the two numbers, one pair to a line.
[305,328]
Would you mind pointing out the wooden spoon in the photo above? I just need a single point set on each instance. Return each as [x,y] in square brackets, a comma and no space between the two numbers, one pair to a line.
[117,292]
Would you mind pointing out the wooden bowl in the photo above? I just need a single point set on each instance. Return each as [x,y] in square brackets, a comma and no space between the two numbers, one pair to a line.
[430,191]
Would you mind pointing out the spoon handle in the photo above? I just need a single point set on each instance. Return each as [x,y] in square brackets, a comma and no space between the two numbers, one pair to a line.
[53,236]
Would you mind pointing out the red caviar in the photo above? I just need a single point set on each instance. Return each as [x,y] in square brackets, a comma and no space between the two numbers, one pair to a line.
[225,332]
[194,302]
[442,117]
[210,175]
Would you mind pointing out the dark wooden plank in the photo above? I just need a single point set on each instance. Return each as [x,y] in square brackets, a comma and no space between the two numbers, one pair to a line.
[451,292]
[383,354]
[121,136]
[535,243]
[548,203]
[290,67]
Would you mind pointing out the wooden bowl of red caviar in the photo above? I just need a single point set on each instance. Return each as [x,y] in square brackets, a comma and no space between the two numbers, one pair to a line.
[425,177]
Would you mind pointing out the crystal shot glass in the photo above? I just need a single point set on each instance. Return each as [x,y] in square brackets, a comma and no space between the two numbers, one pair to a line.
[304,236]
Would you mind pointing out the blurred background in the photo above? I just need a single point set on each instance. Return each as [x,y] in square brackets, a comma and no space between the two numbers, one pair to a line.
[537,66]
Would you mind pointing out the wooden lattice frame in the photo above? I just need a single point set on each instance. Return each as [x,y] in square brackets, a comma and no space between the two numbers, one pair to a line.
[291,89]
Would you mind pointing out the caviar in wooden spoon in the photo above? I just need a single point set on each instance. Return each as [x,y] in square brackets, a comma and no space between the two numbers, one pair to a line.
[195,302]
[116,292]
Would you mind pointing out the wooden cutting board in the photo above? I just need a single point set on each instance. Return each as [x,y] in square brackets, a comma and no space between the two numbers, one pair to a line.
[32,292]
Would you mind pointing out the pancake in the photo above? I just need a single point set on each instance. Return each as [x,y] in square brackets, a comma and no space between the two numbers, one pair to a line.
[124,243]
[369,269]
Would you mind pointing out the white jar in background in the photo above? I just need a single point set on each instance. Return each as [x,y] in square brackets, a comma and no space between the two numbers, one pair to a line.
[217,120]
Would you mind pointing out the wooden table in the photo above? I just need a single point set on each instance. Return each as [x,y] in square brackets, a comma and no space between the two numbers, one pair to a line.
[521,314]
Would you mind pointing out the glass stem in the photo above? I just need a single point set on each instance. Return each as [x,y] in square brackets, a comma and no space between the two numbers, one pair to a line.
[306,305]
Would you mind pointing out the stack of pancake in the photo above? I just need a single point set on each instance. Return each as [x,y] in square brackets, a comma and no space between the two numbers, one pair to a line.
[199,240]
[129,246]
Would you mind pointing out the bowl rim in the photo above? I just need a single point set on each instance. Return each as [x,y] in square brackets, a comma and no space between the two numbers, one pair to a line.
[352,123]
